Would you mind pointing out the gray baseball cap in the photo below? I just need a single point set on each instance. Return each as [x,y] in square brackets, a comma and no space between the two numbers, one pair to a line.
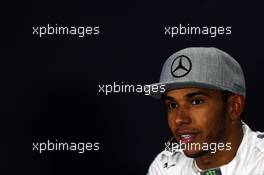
[201,67]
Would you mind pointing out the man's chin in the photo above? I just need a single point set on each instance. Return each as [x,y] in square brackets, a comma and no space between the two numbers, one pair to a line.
[195,154]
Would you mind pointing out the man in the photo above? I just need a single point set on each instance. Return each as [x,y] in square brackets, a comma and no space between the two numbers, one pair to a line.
[204,96]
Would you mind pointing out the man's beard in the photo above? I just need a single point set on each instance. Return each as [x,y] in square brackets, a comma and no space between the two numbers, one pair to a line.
[198,154]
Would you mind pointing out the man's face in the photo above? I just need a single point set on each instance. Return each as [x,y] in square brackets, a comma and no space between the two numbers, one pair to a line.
[196,115]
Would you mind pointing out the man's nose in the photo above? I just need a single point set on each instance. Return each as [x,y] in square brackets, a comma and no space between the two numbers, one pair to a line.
[182,116]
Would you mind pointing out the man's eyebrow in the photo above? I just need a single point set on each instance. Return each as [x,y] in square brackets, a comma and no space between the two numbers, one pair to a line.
[192,94]
[189,95]
[165,97]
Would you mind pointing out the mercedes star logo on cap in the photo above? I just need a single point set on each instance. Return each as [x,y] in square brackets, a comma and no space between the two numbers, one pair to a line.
[181,66]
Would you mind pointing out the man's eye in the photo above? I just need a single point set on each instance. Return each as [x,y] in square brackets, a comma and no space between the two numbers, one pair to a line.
[172,105]
[197,101]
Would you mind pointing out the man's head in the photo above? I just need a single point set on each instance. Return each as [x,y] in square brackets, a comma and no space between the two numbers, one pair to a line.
[204,94]
[197,115]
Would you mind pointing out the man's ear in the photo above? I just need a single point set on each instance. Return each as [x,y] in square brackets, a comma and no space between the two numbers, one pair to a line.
[236,106]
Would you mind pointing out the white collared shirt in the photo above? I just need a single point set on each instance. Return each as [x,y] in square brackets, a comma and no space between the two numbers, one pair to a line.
[249,159]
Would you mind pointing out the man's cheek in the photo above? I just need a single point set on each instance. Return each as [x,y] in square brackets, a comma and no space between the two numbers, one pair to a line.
[171,123]
[202,120]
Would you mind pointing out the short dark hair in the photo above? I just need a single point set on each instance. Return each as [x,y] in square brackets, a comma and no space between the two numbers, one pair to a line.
[226,95]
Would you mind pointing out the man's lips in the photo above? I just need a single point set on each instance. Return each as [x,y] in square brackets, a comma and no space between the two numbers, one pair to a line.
[186,136]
